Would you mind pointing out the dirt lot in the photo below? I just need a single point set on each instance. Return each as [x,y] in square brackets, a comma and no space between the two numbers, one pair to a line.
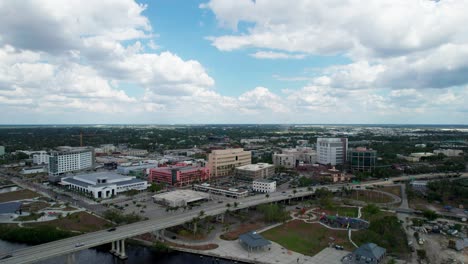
[244,228]
[17,195]
[81,222]
[35,206]
[308,239]
[396,190]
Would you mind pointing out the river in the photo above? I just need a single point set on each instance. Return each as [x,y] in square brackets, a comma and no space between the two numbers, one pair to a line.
[136,255]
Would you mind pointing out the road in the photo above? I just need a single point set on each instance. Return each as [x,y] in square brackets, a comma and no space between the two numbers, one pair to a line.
[66,246]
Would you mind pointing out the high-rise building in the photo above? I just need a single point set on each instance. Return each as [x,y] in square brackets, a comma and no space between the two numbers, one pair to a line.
[362,159]
[332,150]
[2,150]
[222,162]
[69,159]
[41,157]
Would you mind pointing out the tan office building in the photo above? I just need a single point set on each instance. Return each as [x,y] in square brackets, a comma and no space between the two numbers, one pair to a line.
[222,162]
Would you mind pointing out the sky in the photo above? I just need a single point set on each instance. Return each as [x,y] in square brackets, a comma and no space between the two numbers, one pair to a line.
[224,61]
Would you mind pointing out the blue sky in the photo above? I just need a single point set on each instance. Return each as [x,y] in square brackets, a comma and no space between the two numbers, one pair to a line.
[183,28]
[224,61]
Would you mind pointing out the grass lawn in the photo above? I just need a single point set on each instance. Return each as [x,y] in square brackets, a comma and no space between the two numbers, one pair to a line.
[308,239]
[81,221]
[17,195]
[345,211]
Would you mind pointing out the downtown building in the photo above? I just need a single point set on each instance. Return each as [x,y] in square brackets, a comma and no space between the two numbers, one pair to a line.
[253,172]
[362,159]
[69,159]
[179,176]
[222,162]
[103,184]
[332,151]
[41,157]
[293,157]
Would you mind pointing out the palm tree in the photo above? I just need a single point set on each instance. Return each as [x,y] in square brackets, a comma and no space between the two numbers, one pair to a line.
[236,204]
[267,195]
[202,213]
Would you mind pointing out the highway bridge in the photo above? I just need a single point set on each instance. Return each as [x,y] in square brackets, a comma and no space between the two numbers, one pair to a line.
[117,237]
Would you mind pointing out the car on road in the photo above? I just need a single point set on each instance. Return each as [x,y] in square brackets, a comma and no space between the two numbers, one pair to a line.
[111,229]
[79,244]
[339,247]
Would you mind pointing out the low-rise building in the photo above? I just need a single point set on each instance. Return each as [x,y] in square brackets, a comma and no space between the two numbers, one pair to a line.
[180,198]
[33,170]
[449,152]
[254,172]
[334,175]
[136,170]
[103,184]
[264,186]
[290,158]
[135,152]
[179,175]
[368,253]
[41,157]
[284,160]
[228,192]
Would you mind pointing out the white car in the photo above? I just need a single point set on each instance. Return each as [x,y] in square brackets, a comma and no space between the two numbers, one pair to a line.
[79,244]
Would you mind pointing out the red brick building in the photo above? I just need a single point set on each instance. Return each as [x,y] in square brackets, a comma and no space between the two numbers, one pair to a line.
[179,175]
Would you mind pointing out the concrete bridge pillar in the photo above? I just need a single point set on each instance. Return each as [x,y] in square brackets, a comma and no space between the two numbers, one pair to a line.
[71,258]
[119,249]
[112,247]
[123,255]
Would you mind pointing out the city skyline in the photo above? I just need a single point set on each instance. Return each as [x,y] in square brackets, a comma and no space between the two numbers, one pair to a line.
[233,62]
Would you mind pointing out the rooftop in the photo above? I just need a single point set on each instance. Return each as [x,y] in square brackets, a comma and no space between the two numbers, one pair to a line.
[110,176]
[264,181]
[180,195]
[255,167]
[10,207]
[252,239]
[370,250]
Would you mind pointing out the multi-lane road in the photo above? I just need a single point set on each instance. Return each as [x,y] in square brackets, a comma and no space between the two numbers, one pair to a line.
[69,245]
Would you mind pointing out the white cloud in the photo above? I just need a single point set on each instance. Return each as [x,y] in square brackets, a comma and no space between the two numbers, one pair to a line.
[276,55]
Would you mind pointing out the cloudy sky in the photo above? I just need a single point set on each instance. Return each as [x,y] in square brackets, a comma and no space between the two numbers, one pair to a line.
[224,61]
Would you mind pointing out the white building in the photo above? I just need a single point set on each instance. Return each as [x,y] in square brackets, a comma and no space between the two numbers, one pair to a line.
[33,170]
[70,159]
[264,186]
[180,197]
[103,184]
[41,157]
[228,192]
[332,150]
[449,152]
